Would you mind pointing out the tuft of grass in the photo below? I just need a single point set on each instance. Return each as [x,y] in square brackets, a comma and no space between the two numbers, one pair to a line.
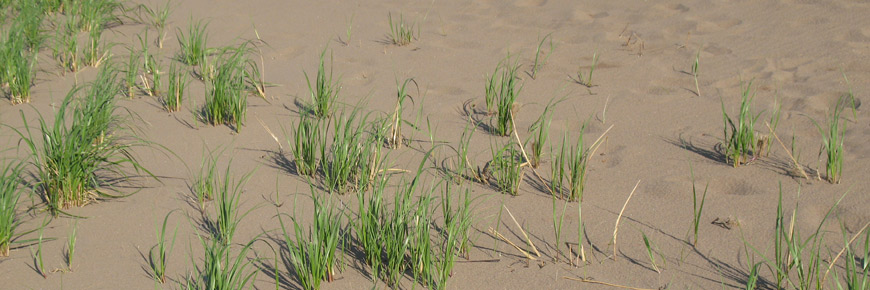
[95,52]
[158,253]
[395,139]
[17,66]
[193,45]
[157,18]
[540,132]
[131,72]
[205,183]
[832,142]
[457,222]
[324,91]
[307,139]
[463,165]
[28,24]
[541,57]
[558,170]
[228,196]
[368,227]
[401,32]
[505,169]
[95,14]
[85,149]
[697,208]
[587,81]
[741,139]
[71,246]
[341,163]
[65,48]
[313,256]
[178,82]
[856,272]
[221,269]
[695,71]
[10,192]
[226,98]
[507,90]
[578,161]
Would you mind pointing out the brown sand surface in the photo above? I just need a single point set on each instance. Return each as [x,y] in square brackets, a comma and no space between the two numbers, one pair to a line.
[796,51]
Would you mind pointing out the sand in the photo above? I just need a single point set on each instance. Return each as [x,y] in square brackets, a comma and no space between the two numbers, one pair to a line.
[796,52]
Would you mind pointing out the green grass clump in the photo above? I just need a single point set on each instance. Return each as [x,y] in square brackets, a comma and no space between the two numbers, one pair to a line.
[505,169]
[131,72]
[406,238]
[10,192]
[65,47]
[741,139]
[17,66]
[540,56]
[503,94]
[85,149]
[832,142]
[324,91]
[226,97]
[341,163]
[402,33]
[95,52]
[227,198]
[313,256]
[307,140]
[157,17]
[221,268]
[578,160]
[463,165]
[587,82]
[178,81]
[95,14]
[28,24]
[395,139]
[540,132]
[205,182]
[569,167]
[159,252]
[193,44]
[856,270]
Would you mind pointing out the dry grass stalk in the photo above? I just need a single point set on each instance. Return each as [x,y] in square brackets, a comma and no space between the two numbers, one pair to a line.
[616,227]
[503,238]
[834,261]
[604,283]
[797,165]
[528,241]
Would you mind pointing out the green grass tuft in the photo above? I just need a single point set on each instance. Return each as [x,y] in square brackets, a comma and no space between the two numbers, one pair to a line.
[324,91]
[313,256]
[402,33]
[10,192]
[741,139]
[85,150]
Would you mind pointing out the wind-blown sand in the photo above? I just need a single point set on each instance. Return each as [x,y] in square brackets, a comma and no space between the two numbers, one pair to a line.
[796,52]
